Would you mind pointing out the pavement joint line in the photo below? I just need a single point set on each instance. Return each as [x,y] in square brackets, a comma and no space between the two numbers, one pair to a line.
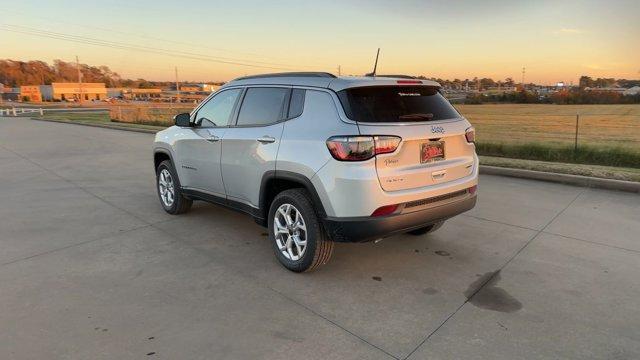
[592,242]
[333,323]
[74,245]
[500,222]
[76,185]
[494,274]
[552,233]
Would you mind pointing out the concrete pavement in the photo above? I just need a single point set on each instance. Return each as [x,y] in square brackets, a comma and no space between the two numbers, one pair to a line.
[92,267]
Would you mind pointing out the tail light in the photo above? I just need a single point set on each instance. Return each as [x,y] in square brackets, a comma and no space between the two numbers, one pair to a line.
[470,134]
[360,148]
[472,190]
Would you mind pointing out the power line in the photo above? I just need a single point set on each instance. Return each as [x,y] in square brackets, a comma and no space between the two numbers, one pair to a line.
[149,49]
[95,41]
[142,36]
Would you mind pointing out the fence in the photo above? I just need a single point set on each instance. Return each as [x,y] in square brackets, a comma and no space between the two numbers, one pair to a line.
[31,111]
[561,125]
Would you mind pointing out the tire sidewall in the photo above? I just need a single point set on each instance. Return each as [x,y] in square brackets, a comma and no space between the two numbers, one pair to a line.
[312,225]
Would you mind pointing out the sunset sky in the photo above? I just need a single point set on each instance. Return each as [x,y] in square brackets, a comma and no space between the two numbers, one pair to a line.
[208,40]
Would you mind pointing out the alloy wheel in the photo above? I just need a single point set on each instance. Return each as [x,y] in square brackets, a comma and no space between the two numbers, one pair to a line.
[290,232]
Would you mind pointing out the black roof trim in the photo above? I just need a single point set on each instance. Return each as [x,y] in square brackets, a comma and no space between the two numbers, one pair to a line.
[288,74]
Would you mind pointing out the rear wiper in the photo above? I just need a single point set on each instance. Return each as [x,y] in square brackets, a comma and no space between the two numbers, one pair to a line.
[416,116]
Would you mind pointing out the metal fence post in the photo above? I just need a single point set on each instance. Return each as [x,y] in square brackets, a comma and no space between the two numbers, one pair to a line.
[575,144]
[41,112]
[14,112]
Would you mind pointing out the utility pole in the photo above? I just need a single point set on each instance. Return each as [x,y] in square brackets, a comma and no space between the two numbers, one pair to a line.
[79,78]
[523,71]
[339,71]
[177,87]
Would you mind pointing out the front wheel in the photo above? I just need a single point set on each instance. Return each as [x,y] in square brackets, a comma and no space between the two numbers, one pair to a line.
[169,190]
[299,240]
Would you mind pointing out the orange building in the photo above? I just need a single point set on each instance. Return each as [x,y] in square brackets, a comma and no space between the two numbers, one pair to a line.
[74,91]
[30,93]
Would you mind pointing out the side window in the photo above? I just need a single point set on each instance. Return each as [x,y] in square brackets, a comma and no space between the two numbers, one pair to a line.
[262,106]
[217,111]
[297,103]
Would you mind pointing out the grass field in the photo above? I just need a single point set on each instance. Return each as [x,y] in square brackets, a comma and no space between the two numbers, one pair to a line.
[608,125]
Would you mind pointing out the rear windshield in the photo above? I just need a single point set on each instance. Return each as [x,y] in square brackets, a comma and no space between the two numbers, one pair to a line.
[396,104]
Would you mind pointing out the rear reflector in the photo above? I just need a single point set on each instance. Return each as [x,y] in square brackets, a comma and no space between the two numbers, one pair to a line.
[360,148]
[385,210]
[470,134]
[409,82]
[473,189]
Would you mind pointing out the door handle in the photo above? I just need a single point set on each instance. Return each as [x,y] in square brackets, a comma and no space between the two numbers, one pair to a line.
[213,138]
[266,139]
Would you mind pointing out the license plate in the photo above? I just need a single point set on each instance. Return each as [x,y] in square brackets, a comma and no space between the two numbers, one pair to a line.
[432,151]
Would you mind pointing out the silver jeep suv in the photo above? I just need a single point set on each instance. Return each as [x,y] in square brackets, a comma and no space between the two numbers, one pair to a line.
[318,159]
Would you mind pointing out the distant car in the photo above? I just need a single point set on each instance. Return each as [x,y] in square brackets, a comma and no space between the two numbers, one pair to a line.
[320,159]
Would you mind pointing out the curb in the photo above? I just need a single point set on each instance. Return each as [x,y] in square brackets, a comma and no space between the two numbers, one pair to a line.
[579,180]
[104,126]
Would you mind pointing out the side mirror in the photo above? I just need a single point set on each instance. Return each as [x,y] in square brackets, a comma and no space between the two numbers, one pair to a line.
[183,120]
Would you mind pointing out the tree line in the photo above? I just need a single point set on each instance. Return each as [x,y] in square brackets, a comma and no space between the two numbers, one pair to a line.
[562,97]
[15,73]
[588,82]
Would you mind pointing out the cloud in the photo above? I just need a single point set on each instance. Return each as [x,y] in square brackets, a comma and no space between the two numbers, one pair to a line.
[569,31]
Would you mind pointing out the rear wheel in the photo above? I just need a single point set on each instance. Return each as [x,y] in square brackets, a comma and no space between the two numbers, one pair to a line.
[169,190]
[426,229]
[298,238]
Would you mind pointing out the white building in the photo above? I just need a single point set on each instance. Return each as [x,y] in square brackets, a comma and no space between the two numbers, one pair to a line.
[632,91]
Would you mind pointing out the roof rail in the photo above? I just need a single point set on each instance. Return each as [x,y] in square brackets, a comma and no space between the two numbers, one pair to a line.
[393,76]
[288,74]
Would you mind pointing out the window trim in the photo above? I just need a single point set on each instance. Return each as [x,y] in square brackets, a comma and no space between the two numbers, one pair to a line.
[283,115]
[304,97]
[232,115]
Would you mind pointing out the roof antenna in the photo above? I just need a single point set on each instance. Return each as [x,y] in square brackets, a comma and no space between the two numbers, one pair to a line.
[375,66]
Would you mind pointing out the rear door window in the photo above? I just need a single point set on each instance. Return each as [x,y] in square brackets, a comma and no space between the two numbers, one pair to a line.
[262,106]
[390,104]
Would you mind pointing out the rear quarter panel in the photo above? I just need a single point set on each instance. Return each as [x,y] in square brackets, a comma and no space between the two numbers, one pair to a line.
[303,148]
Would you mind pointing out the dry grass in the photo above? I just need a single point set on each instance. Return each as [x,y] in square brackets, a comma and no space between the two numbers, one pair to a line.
[610,125]
[157,115]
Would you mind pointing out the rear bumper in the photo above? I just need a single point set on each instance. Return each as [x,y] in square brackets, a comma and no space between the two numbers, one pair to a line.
[362,229]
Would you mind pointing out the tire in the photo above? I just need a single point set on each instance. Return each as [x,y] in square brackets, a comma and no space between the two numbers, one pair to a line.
[426,229]
[179,203]
[317,249]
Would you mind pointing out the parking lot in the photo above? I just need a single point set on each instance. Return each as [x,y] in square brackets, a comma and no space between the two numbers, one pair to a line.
[92,268]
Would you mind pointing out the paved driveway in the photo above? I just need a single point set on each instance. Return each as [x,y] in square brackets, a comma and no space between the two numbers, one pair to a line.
[92,268]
